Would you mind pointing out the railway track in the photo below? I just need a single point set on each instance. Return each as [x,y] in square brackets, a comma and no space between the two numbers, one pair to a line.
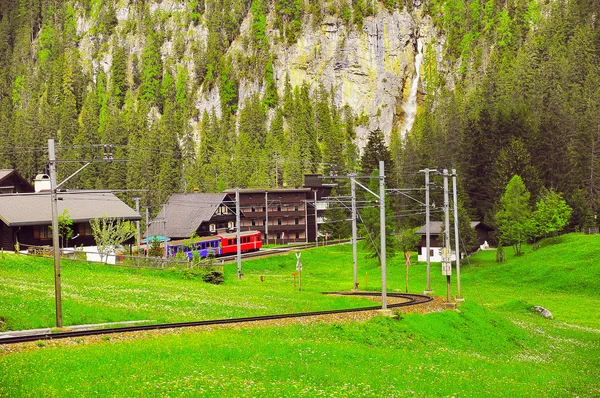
[413,299]
[277,250]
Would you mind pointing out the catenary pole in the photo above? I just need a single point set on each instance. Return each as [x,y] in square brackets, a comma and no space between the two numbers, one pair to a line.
[238,229]
[137,223]
[456,240]
[316,222]
[354,233]
[427,233]
[267,217]
[382,234]
[55,243]
[448,249]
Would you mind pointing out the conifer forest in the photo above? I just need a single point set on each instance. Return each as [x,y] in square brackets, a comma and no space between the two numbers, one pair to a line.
[212,95]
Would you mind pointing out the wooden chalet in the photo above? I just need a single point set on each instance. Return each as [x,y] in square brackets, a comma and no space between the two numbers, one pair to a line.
[436,239]
[202,213]
[25,218]
[12,182]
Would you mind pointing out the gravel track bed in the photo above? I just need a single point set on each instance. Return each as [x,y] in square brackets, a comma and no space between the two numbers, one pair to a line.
[436,305]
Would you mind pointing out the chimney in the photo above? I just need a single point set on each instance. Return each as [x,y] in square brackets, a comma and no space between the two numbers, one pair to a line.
[42,183]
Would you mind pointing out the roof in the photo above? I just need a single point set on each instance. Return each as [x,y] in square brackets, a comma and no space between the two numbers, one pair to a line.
[36,208]
[234,235]
[5,173]
[185,213]
[269,190]
[435,227]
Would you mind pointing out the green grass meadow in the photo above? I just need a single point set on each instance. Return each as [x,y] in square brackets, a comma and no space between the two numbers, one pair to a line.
[494,346]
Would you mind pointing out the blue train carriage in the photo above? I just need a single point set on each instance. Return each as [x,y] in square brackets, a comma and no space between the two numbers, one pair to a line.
[200,245]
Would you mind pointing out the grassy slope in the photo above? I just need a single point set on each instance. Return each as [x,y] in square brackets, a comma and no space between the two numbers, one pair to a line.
[94,293]
[494,347]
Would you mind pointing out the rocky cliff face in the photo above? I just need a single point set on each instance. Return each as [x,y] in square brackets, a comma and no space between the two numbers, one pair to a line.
[370,69]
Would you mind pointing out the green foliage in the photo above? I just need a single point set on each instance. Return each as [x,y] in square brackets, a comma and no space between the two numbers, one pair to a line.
[110,232]
[375,151]
[500,255]
[370,224]
[408,240]
[213,277]
[552,214]
[119,75]
[514,218]
[152,69]
[65,227]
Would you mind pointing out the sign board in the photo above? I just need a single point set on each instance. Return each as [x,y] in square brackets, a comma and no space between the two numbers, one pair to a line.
[298,262]
[447,269]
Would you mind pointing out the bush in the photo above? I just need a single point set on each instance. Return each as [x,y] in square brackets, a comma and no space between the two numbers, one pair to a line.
[214,277]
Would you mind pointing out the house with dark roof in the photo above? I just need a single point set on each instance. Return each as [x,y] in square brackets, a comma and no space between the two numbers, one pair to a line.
[12,182]
[25,218]
[202,213]
[285,215]
[436,239]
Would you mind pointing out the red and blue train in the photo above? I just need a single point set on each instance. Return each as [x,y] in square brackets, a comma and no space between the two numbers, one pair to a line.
[220,245]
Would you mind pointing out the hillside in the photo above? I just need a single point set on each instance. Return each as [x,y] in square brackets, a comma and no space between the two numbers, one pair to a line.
[238,93]
[493,346]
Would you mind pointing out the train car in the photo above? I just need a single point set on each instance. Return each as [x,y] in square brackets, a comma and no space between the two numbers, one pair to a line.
[250,241]
[200,245]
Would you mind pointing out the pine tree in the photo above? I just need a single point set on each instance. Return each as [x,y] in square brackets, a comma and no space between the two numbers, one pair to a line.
[375,151]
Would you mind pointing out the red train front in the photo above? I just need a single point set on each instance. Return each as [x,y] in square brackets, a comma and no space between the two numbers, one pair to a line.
[250,241]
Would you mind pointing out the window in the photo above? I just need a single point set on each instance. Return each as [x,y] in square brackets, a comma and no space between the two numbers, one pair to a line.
[278,207]
[296,208]
[212,228]
[253,210]
[297,235]
[253,222]
[87,229]
[45,232]
[279,221]
[264,209]
[264,221]
[296,221]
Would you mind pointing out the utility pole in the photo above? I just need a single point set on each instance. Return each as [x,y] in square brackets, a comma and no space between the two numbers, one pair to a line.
[238,228]
[316,223]
[427,232]
[55,243]
[456,245]
[137,223]
[147,229]
[164,222]
[446,253]
[354,233]
[267,217]
[382,233]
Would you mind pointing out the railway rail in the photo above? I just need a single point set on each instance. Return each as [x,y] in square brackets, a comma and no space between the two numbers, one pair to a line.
[413,299]
[278,250]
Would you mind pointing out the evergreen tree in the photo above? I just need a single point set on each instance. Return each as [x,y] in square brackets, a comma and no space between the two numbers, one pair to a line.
[514,218]
[374,151]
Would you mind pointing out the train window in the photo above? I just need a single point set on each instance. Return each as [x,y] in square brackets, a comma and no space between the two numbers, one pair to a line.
[230,242]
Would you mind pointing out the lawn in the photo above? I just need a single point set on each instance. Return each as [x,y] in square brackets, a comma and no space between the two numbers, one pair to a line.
[96,293]
[494,346]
